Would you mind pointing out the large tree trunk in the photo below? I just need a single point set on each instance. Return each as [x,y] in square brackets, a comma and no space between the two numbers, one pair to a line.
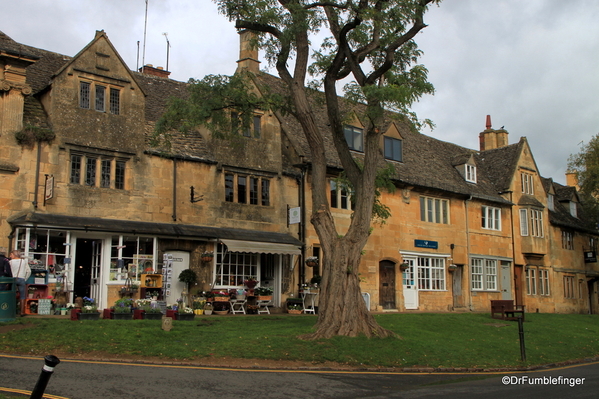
[341,308]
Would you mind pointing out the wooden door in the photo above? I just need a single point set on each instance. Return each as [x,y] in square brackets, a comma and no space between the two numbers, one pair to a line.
[387,284]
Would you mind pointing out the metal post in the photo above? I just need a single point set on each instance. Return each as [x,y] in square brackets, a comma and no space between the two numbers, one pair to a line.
[50,362]
[521,333]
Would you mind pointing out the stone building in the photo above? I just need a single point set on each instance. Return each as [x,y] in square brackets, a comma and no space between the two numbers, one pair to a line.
[83,190]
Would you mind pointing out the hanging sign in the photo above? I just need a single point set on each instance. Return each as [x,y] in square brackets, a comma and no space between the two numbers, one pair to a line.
[294,215]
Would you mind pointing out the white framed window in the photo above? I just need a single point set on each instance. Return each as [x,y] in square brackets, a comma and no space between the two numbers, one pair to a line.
[524,222]
[544,282]
[470,173]
[531,281]
[491,218]
[354,137]
[527,183]
[431,274]
[573,210]
[484,274]
[232,268]
[339,195]
[536,223]
[434,210]
[130,256]
[550,202]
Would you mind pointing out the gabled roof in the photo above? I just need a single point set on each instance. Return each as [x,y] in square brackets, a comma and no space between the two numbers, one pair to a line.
[499,164]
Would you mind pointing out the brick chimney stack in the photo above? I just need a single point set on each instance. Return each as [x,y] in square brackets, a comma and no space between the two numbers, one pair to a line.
[572,180]
[149,69]
[248,52]
[491,138]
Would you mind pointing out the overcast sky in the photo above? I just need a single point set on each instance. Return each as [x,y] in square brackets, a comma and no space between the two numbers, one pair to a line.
[531,65]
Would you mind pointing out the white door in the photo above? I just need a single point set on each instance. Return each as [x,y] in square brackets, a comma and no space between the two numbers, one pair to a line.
[172,286]
[506,281]
[410,290]
[96,268]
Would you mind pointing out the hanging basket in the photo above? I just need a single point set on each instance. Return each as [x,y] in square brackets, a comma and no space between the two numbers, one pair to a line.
[452,268]
[207,258]
[404,266]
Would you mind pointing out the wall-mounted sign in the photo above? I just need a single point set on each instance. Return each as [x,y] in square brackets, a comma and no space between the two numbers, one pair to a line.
[426,244]
[590,256]
[294,215]
[49,188]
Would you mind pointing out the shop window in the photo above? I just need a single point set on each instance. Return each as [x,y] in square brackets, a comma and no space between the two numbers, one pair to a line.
[431,274]
[46,248]
[232,268]
[130,256]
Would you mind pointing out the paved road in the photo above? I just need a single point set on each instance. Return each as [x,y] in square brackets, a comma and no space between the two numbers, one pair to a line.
[91,380]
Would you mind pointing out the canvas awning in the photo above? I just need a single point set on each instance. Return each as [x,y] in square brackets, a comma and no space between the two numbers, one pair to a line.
[261,247]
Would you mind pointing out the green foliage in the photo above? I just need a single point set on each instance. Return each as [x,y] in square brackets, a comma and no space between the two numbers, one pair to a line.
[586,166]
[222,104]
[33,134]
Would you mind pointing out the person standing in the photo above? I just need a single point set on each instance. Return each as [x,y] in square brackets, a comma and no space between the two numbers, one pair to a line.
[20,271]
[5,269]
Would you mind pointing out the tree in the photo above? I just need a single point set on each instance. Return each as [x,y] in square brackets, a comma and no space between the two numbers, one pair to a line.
[371,45]
[586,166]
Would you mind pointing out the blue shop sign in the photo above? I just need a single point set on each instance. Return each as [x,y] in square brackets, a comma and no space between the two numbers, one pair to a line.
[426,244]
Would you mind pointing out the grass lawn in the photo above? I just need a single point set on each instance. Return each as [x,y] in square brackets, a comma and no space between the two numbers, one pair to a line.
[427,340]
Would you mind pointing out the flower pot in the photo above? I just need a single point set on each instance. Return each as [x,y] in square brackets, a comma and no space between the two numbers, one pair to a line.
[89,316]
[264,297]
[121,316]
[152,316]
[221,312]
[294,311]
[198,311]
[184,316]
[221,299]
[207,312]
[311,264]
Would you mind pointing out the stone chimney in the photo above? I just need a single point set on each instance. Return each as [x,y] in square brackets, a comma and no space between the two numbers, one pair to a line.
[491,138]
[572,180]
[149,69]
[248,52]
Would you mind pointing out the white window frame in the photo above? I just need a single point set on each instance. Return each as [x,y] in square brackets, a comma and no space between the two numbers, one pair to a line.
[531,281]
[567,240]
[491,218]
[431,274]
[544,282]
[536,223]
[527,183]
[550,202]
[569,292]
[434,210]
[470,173]
[483,274]
[524,222]
[354,136]
[573,210]
[339,195]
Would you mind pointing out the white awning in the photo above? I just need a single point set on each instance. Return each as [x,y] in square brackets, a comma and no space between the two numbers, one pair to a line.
[261,247]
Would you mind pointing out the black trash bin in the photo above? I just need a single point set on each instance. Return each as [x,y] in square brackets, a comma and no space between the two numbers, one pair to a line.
[8,301]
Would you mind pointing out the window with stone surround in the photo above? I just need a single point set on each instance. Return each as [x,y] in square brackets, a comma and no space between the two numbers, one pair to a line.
[484,274]
[99,90]
[431,274]
[434,210]
[247,189]
[569,287]
[491,218]
[84,170]
[567,240]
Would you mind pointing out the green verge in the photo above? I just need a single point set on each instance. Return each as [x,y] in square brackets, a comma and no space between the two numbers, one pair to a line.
[471,340]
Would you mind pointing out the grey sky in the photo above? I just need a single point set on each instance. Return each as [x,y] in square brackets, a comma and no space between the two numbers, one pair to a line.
[531,65]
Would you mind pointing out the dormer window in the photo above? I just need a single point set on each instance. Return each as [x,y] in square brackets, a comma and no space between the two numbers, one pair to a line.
[573,211]
[354,137]
[393,149]
[254,130]
[550,203]
[470,175]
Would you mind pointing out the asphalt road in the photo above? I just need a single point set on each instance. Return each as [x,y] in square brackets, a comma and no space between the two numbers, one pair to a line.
[91,380]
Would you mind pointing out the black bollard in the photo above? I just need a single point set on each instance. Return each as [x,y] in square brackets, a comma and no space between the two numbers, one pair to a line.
[521,334]
[50,362]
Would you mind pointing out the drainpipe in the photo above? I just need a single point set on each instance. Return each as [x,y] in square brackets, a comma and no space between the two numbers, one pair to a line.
[174,189]
[37,173]
[467,275]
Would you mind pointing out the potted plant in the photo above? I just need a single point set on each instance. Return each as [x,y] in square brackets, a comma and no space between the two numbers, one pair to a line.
[221,308]
[207,256]
[312,261]
[250,283]
[184,314]
[122,309]
[263,293]
[89,310]
[315,280]
[152,312]
[188,277]
[198,306]
[221,296]
[294,308]
[208,308]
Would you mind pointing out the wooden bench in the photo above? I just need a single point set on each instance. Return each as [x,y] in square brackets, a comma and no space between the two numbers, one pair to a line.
[505,310]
